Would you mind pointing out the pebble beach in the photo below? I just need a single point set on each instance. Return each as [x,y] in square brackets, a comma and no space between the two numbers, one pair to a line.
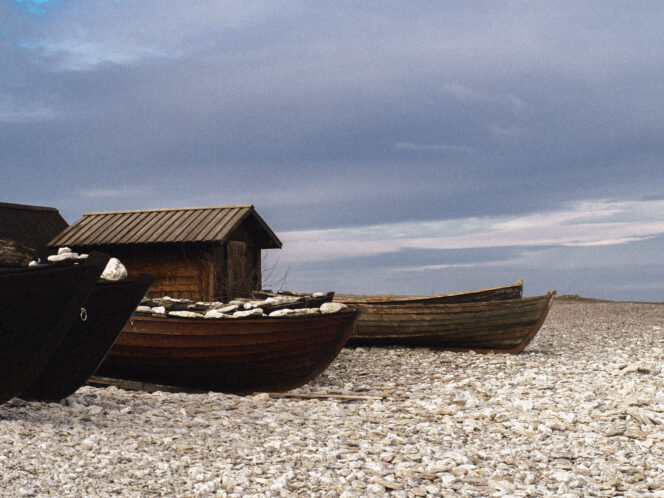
[579,413]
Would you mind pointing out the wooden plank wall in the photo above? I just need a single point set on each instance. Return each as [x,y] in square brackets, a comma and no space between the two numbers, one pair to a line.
[201,272]
[181,271]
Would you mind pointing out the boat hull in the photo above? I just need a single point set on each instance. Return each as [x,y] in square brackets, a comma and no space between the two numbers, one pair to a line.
[502,293]
[491,326]
[228,355]
[85,345]
[37,308]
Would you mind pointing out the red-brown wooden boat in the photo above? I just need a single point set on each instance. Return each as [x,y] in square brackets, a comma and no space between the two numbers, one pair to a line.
[87,342]
[501,293]
[498,326]
[37,308]
[234,355]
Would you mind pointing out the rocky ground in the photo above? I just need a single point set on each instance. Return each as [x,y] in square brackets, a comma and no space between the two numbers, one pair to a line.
[579,413]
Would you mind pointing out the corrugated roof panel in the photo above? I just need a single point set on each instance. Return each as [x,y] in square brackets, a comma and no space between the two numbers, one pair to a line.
[172,229]
[124,228]
[153,227]
[205,224]
[133,224]
[86,231]
[189,232]
[223,229]
[105,228]
[210,227]
[198,227]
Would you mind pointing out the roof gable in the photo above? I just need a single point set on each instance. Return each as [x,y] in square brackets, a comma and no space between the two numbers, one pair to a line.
[194,224]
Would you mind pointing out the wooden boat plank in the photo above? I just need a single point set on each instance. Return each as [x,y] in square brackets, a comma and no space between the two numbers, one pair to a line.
[139,339]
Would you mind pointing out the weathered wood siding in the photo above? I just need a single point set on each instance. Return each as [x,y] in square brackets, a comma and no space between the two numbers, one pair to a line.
[202,272]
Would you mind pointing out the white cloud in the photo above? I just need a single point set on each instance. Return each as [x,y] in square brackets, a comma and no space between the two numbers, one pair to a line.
[433,147]
[583,224]
[13,111]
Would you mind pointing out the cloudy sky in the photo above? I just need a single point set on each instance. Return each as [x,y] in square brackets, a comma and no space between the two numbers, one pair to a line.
[409,147]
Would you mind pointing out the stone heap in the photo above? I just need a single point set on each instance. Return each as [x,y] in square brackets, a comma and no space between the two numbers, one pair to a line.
[281,305]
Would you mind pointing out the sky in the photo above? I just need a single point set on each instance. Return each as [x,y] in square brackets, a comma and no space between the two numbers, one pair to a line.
[394,147]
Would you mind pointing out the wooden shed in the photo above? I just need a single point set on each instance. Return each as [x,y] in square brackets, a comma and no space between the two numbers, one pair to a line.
[201,253]
[33,226]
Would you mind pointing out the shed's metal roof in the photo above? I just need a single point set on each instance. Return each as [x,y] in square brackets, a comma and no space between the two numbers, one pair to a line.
[33,226]
[193,224]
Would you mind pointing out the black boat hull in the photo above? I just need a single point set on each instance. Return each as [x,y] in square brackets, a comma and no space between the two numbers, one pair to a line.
[37,308]
[87,342]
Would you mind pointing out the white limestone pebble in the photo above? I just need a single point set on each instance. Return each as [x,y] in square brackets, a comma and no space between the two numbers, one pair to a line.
[579,413]
[251,312]
[332,307]
[218,313]
[115,271]
[185,314]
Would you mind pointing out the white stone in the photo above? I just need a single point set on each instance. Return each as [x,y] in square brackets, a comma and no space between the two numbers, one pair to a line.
[282,312]
[251,312]
[217,314]
[185,314]
[65,256]
[115,271]
[332,307]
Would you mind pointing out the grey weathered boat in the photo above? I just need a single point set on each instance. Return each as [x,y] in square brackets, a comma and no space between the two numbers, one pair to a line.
[501,293]
[505,326]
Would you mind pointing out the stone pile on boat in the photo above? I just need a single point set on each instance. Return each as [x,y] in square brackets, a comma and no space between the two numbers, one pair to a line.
[281,305]
[114,271]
